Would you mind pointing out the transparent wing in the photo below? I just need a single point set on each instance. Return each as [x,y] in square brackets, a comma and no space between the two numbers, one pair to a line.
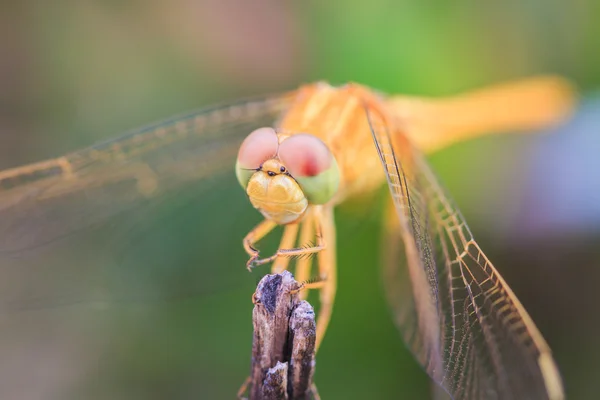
[156,213]
[456,313]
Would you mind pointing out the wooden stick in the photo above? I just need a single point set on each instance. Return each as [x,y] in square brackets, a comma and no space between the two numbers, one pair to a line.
[283,346]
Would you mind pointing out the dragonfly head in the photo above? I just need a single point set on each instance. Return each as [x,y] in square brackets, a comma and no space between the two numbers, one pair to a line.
[284,174]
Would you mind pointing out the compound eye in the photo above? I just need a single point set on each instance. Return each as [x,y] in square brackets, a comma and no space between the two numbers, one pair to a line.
[305,155]
[260,145]
[313,166]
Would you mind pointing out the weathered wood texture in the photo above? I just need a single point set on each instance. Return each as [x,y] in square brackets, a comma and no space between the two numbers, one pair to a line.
[283,347]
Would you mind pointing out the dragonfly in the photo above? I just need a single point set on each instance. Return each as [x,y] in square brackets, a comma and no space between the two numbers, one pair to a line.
[70,227]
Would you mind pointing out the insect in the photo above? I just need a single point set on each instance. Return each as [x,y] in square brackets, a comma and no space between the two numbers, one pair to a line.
[298,155]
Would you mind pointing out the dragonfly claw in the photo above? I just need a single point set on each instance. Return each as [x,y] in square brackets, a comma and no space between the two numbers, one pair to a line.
[251,263]
[254,261]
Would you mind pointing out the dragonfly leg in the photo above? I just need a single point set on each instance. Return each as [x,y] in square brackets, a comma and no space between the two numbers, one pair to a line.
[290,233]
[310,285]
[294,252]
[304,264]
[318,223]
[325,226]
[289,238]
[259,231]
[243,389]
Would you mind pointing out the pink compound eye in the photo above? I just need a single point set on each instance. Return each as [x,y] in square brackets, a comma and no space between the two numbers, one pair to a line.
[258,146]
[305,155]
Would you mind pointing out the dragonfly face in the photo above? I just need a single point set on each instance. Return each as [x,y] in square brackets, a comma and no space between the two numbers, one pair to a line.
[282,194]
[129,217]
[276,194]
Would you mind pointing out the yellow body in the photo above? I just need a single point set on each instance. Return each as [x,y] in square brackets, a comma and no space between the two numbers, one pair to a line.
[405,126]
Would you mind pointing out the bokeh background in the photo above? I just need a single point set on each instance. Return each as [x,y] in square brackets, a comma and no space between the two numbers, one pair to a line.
[75,72]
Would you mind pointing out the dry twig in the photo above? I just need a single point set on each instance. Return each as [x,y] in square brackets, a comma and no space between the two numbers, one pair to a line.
[283,346]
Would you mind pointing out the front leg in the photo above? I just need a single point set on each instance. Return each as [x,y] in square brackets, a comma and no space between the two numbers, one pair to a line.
[304,251]
[259,231]
[285,250]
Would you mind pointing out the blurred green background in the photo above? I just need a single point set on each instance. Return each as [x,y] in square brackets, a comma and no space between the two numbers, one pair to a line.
[75,72]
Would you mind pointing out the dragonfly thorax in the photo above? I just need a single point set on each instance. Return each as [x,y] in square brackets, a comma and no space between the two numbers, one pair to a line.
[276,194]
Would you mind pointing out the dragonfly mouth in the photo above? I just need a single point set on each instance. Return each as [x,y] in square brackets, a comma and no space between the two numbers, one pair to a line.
[275,203]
